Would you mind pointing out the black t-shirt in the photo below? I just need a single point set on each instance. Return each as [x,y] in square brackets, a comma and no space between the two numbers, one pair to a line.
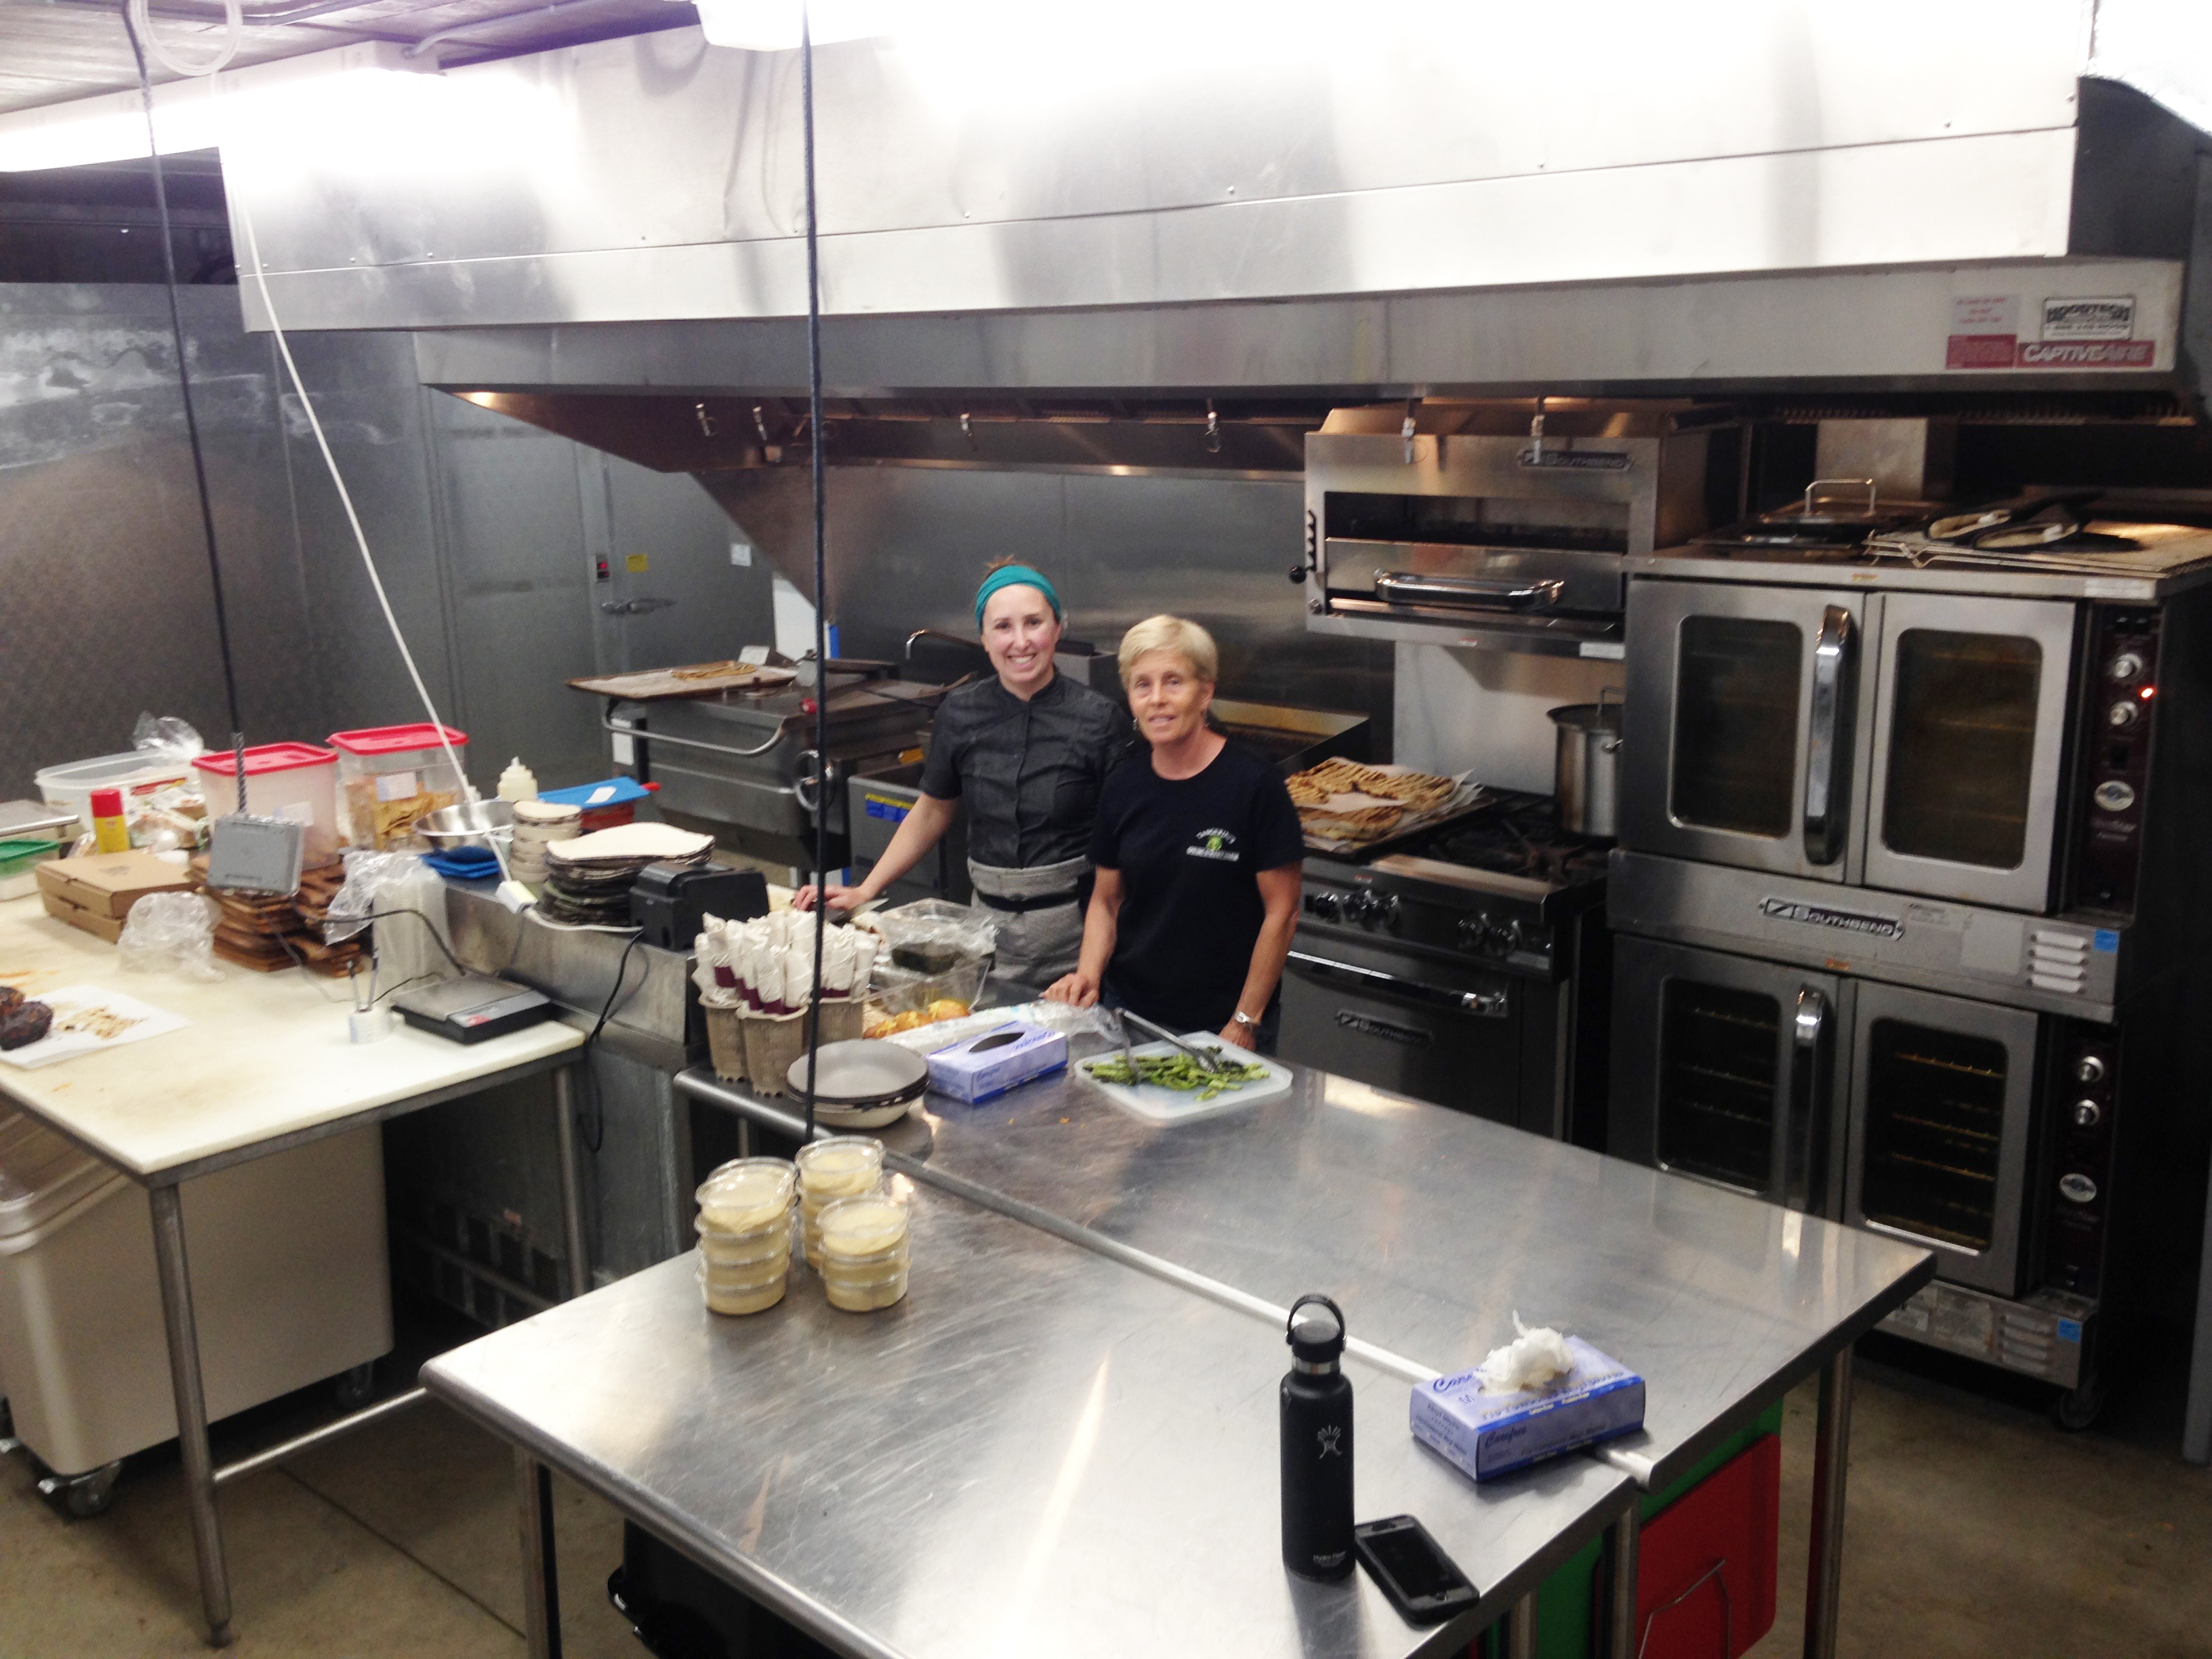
[1030,771]
[1189,850]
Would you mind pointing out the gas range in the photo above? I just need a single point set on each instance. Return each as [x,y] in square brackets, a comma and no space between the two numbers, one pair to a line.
[1493,889]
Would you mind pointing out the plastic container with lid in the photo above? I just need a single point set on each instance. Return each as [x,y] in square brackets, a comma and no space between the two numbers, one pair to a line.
[390,778]
[843,1166]
[294,781]
[745,1234]
[136,774]
[866,1251]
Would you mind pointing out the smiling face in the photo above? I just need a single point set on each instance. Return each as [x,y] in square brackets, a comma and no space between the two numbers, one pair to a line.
[1167,696]
[1020,632]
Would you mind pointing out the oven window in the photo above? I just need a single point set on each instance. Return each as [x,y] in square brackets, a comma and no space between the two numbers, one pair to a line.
[1735,724]
[1718,1078]
[1935,1126]
[1962,747]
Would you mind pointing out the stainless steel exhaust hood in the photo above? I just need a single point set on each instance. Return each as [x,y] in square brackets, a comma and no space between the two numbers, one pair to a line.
[1520,202]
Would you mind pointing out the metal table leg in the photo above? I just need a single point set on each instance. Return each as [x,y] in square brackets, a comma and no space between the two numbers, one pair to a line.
[2196,1422]
[572,1183]
[191,1408]
[1831,1450]
[1520,1628]
[1624,1540]
[541,1585]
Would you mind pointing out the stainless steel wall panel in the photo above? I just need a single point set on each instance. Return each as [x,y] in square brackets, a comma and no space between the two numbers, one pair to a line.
[106,606]
[907,548]
[521,594]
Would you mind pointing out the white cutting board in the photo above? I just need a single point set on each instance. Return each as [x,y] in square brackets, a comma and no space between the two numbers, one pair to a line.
[1155,1104]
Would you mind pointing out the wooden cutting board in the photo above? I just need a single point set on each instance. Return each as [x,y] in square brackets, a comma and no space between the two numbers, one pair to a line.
[694,680]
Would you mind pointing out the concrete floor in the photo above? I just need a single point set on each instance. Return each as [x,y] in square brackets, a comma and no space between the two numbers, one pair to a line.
[1975,1529]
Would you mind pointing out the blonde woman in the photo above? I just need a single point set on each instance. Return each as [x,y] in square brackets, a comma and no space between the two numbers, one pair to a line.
[1198,854]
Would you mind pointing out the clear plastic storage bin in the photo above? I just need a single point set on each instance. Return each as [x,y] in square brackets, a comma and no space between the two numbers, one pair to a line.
[391,778]
[138,772]
[294,781]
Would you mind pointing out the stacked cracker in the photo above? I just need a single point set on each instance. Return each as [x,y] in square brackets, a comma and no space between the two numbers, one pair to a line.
[1341,800]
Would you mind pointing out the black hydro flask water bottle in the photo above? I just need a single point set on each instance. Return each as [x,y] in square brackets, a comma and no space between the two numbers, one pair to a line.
[1316,1444]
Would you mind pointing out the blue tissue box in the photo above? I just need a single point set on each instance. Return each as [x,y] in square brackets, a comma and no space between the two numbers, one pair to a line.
[1488,1435]
[993,1061]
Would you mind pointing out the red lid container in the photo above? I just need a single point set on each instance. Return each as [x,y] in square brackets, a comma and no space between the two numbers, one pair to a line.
[396,739]
[266,757]
[106,803]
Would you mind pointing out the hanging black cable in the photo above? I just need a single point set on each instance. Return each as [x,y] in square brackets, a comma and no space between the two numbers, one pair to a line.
[821,567]
[192,418]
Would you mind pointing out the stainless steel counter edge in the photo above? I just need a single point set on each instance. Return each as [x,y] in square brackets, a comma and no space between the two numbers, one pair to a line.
[765,1588]
[1655,1473]
[700,1087]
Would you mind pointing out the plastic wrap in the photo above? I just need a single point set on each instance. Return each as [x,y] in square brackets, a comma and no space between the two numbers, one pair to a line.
[389,882]
[934,922]
[166,739]
[171,933]
[1062,1017]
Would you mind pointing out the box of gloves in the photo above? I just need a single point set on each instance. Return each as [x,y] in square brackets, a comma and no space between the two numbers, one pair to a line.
[1537,1396]
[996,1060]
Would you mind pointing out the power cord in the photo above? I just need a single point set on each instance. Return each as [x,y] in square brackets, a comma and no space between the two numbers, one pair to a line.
[595,1129]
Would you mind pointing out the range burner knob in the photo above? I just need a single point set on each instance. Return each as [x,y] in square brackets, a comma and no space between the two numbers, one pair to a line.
[2089,1068]
[2126,666]
[1511,937]
[2086,1112]
[1471,932]
[2122,714]
[1382,911]
[1328,905]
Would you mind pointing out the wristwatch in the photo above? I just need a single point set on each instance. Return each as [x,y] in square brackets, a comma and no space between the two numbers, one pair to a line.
[1243,1018]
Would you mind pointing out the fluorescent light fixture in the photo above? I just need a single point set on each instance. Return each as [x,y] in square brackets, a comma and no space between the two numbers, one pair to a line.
[773,25]
[189,114]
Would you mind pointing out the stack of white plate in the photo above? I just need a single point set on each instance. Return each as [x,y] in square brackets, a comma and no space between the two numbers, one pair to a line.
[537,825]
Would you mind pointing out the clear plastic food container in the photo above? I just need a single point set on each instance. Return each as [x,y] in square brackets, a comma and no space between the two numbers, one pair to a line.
[866,1251]
[137,774]
[747,1194]
[745,1234]
[391,778]
[294,781]
[843,1166]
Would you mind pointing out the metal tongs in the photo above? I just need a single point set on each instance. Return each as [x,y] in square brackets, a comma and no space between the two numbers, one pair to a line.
[1210,1058]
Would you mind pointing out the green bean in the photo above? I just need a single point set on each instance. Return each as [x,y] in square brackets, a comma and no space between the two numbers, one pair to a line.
[1179,1071]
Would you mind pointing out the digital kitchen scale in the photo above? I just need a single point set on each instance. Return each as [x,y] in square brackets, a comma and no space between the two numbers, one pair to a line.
[472,1008]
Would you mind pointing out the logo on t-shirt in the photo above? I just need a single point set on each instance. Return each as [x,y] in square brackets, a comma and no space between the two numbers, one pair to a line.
[1219,844]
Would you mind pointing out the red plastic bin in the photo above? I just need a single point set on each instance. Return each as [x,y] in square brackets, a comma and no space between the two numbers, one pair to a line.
[1706,1568]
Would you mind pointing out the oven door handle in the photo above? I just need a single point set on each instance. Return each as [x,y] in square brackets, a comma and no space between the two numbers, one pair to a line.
[1804,1121]
[1489,1004]
[1411,587]
[1828,741]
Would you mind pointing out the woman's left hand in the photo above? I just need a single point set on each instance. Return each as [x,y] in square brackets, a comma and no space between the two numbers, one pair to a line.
[1240,1034]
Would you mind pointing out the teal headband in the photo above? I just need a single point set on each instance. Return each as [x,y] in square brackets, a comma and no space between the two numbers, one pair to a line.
[1015,576]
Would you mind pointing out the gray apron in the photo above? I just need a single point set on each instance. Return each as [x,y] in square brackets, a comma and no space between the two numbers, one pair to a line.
[1038,943]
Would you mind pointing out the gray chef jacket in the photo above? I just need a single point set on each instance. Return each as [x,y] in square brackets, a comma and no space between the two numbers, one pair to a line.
[1029,771]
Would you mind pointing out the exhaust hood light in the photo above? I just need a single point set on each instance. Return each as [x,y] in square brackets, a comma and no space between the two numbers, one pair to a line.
[189,114]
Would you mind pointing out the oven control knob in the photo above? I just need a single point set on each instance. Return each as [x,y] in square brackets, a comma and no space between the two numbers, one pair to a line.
[2122,714]
[2090,1068]
[1510,937]
[2086,1113]
[1382,911]
[1360,907]
[2125,667]
[1469,932]
[1328,905]
[2114,795]
[2077,1187]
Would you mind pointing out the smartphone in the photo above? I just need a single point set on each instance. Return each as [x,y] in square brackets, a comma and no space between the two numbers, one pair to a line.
[1420,1578]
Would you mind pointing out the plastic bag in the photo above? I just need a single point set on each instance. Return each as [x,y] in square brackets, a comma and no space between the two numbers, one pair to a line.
[1529,1361]
[171,932]
[387,882]
[165,737]
[934,922]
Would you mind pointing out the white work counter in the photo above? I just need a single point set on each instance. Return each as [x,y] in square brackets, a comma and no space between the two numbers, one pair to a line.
[264,1062]
[265,1065]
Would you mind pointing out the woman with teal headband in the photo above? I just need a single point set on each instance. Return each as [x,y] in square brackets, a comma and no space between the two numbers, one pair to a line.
[1027,751]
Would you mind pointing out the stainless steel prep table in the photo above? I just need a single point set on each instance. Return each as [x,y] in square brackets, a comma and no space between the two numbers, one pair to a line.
[1433,1228]
[264,1066]
[1039,1451]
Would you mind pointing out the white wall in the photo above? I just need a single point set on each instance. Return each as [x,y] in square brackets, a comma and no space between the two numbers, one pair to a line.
[1486,710]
